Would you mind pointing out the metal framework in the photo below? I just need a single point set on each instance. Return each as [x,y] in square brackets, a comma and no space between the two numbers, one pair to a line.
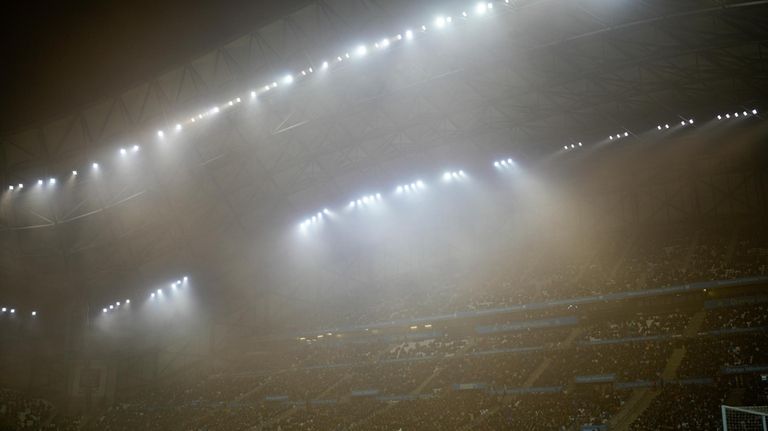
[535,75]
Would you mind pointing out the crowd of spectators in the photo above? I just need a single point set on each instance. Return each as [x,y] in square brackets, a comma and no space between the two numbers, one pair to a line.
[463,377]
[18,411]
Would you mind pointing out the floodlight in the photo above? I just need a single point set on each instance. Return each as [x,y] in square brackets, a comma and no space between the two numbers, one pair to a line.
[13,310]
[288,79]
[74,173]
[34,313]
[127,301]
[690,121]
[159,291]
[440,22]
[135,148]
[754,112]
[626,133]
[178,126]
[160,133]
[408,34]
[480,8]
[745,113]
[384,43]
[103,310]
[565,147]
[122,151]
[10,187]
[111,307]
[117,303]
[39,182]
[4,309]
[253,94]
[95,165]
[719,117]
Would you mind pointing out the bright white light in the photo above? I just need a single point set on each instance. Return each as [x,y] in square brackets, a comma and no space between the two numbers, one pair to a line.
[423,28]
[324,65]
[152,295]
[690,121]
[565,147]
[266,88]
[579,145]
[480,8]
[666,126]
[34,313]
[626,133]
[384,43]
[361,50]
[447,176]
[719,117]
[74,173]
[122,151]
[490,5]
[754,112]
[735,114]
[39,182]
[178,127]
[111,307]
[325,210]
[408,34]
[682,123]
[160,133]
[448,19]
[288,79]
[103,310]
[310,69]
[21,186]
[127,301]
[95,165]
[440,22]
[253,94]
[399,189]
[745,113]
[464,14]
[13,310]
[10,187]
[346,54]
[4,309]
[159,291]
[117,303]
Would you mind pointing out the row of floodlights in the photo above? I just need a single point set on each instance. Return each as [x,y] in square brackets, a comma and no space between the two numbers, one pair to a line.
[94,165]
[572,146]
[365,200]
[117,305]
[360,51]
[683,123]
[736,114]
[411,187]
[174,286]
[480,9]
[12,311]
[506,163]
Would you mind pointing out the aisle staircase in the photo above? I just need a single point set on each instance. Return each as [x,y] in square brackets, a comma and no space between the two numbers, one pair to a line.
[694,325]
[635,406]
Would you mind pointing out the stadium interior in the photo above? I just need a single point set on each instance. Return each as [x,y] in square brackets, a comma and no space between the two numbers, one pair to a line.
[395,216]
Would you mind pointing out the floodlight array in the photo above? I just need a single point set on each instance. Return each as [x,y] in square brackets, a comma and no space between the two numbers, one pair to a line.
[736,114]
[573,146]
[117,305]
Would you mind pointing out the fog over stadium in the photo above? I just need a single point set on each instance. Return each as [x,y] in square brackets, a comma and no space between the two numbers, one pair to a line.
[351,214]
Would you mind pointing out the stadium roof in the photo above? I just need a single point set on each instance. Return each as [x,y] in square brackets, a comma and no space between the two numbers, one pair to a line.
[217,199]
